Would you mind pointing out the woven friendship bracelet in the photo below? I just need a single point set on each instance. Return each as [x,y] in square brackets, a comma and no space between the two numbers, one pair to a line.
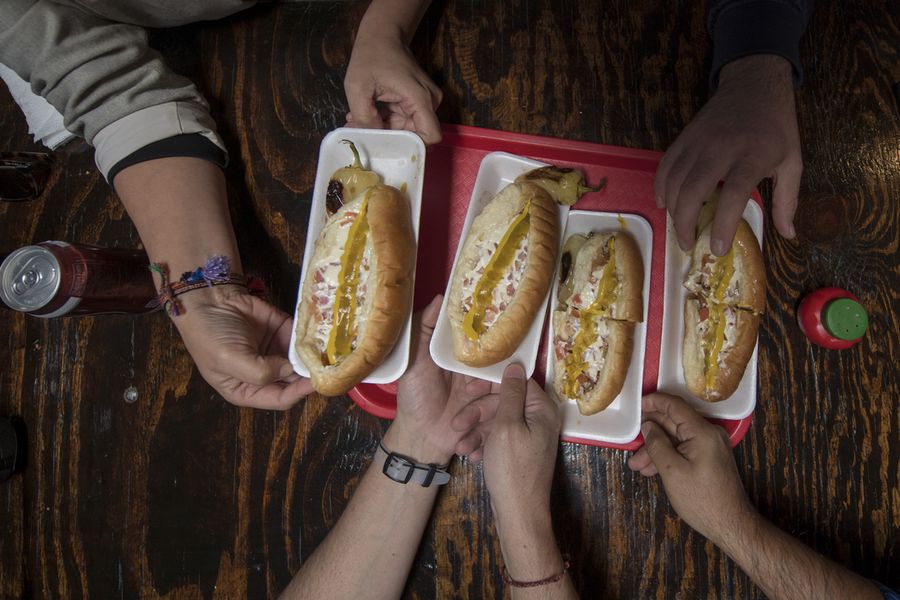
[530,584]
[216,271]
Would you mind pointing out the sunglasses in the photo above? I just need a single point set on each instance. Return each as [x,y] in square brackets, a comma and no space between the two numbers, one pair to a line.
[23,175]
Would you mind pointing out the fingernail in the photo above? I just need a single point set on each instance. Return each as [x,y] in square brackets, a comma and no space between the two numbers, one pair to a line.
[718,247]
[515,371]
[659,202]
[645,428]
[286,370]
[792,233]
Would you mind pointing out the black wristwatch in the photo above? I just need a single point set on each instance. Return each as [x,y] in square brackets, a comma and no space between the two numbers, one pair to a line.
[403,469]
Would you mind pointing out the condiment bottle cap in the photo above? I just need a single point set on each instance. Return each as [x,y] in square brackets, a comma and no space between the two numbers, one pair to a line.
[845,319]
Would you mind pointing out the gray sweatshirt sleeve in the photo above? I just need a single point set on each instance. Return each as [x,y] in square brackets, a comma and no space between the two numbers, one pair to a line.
[111,88]
[743,27]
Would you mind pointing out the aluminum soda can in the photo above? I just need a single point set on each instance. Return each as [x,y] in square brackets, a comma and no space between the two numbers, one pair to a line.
[52,279]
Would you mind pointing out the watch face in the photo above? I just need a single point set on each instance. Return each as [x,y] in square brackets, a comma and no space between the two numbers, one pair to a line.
[398,468]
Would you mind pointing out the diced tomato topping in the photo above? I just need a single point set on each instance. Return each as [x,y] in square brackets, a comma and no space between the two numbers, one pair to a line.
[319,277]
[560,350]
[576,299]
[510,289]
[703,313]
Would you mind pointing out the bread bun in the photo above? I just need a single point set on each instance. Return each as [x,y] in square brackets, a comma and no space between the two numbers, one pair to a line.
[378,300]
[747,287]
[721,314]
[605,286]
[628,304]
[607,360]
[503,293]
[739,340]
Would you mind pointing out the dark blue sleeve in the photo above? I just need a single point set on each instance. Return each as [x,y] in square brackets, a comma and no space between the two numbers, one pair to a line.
[887,592]
[743,27]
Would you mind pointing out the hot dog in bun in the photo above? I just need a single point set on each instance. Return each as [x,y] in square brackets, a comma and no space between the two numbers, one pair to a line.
[600,299]
[357,292]
[726,296]
[506,265]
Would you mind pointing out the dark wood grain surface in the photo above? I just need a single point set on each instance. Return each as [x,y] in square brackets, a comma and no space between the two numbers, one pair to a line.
[180,495]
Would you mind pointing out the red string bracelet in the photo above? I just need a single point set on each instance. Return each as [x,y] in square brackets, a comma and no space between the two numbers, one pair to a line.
[530,584]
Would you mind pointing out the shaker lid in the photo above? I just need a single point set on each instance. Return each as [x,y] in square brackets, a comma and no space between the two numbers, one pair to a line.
[845,319]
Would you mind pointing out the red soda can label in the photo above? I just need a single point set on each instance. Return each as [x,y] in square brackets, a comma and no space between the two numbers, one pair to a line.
[52,279]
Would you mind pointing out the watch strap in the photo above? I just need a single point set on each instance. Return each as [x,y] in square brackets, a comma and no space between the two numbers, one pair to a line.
[403,469]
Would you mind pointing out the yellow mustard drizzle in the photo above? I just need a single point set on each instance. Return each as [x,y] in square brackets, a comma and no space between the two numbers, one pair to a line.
[473,322]
[574,364]
[341,334]
[723,271]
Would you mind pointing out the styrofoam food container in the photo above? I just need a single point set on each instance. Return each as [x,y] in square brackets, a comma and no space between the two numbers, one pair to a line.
[399,158]
[620,422]
[497,170]
[671,374]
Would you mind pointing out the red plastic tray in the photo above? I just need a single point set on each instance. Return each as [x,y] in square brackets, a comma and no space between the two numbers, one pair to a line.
[450,171]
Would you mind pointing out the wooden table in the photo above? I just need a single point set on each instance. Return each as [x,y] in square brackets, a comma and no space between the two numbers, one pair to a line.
[180,495]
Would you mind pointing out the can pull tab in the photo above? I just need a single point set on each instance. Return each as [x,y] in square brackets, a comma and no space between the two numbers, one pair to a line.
[26,281]
[36,278]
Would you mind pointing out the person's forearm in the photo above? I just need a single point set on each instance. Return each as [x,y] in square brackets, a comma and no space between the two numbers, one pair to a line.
[785,568]
[391,17]
[531,554]
[180,209]
[369,552]
[179,206]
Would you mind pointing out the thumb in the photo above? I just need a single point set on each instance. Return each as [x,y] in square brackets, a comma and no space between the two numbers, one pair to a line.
[662,454]
[361,100]
[784,196]
[427,320]
[426,123]
[539,406]
[512,394]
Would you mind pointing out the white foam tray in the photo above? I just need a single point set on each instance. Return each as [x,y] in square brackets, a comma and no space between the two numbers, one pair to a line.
[497,170]
[620,422]
[399,158]
[671,375]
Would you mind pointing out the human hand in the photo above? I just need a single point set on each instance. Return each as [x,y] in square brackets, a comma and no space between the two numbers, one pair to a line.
[519,451]
[240,345]
[428,398]
[693,457]
[745,132]
[386,88]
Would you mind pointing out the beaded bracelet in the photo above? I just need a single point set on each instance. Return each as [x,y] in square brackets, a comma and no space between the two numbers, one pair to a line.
[530,584]
[215,271]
